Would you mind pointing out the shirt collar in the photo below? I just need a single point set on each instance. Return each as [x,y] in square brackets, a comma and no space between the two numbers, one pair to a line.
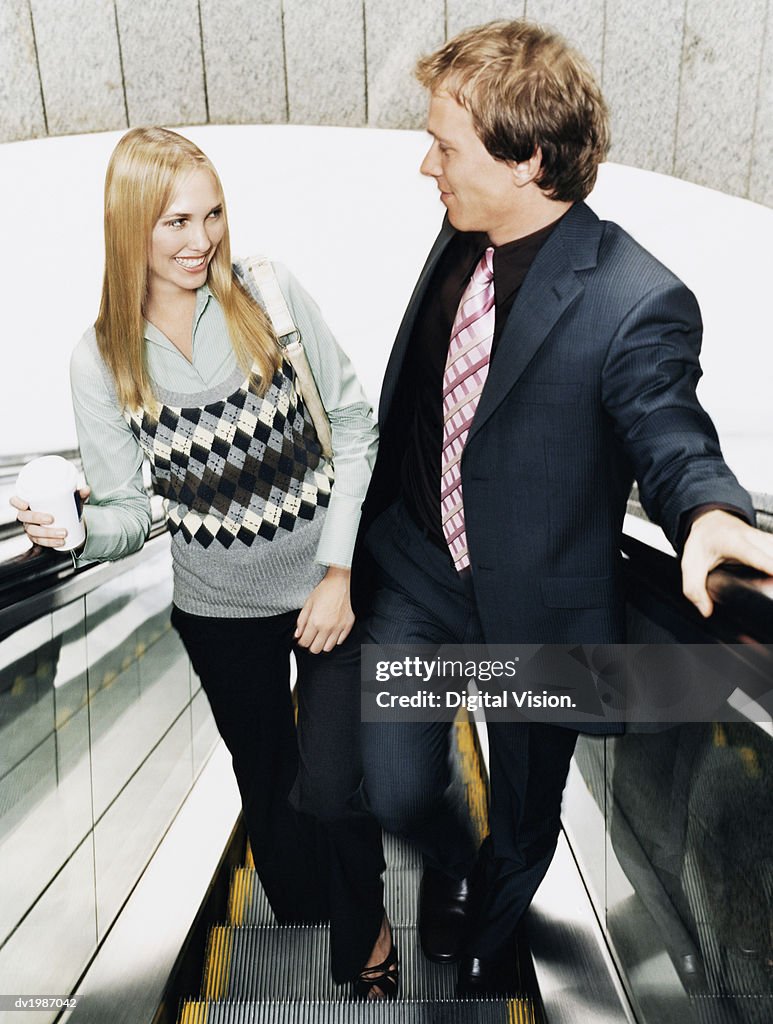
[513,260]
[151,332]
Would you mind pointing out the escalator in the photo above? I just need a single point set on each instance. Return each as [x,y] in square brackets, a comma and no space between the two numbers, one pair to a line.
[256,971]
[121,857]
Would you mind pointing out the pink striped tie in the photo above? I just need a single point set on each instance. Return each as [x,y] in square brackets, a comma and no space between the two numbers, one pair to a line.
[466,370]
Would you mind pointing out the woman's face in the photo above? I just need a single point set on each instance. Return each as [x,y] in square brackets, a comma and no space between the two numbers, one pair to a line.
[186,235]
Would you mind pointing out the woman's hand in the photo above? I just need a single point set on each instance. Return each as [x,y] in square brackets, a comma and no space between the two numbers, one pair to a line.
[326,618]
[36,524]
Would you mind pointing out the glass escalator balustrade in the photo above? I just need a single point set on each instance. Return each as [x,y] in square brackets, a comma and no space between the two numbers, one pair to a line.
[103,729]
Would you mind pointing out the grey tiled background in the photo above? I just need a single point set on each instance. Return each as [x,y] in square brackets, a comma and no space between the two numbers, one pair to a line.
[689,82]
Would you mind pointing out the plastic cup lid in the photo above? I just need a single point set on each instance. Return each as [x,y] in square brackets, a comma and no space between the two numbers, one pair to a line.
[49,474]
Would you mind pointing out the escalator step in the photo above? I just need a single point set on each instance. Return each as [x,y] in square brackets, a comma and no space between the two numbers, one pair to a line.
[401,895]
[258,971]
[493,1011]
[290,963]
[400,854]
[217,962]
[247,903]
[194,1013]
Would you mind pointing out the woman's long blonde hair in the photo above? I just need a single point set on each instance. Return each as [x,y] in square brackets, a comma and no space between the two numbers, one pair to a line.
[142,175]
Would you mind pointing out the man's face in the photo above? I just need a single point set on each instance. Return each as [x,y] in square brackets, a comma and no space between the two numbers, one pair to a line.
[478,191]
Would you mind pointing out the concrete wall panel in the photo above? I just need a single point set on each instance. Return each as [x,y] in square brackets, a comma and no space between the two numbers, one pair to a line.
[642,53]
[718,94]
[396,36]
[80,65]
[21,104]
[761,177]
[325,48]
[162,61]
[246,77]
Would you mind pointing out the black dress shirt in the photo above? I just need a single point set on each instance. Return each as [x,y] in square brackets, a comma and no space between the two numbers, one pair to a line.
[428,350]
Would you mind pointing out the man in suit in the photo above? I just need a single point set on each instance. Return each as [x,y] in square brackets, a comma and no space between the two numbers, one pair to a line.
[545,361]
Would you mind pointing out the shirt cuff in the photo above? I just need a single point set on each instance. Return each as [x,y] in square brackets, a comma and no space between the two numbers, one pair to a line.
[339,531]
[109,536]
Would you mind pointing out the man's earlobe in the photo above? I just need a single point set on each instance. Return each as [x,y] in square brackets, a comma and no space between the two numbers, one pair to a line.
[526,171]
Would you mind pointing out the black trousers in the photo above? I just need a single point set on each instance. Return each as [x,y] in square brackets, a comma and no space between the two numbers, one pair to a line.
[317,850]
[422,599]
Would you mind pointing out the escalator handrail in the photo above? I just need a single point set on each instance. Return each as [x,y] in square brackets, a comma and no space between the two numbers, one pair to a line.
[58,582]
[743,596]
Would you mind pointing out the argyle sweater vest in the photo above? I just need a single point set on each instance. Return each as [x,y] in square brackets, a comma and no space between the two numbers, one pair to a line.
[242,472]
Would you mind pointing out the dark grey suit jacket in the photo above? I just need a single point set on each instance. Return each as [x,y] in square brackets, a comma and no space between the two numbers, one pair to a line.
[593,385]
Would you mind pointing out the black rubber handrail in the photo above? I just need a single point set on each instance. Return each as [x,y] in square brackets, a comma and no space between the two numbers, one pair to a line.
[743,596]
[38,569]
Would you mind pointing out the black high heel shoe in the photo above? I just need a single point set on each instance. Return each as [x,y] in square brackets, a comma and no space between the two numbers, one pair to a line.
[380,977]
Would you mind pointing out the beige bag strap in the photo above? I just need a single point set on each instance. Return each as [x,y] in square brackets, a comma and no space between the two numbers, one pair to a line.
[284,327]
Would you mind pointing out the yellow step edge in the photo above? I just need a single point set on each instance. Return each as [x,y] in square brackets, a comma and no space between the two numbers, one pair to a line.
[193,1013]
[218,963]
[240,896]
[521,1011]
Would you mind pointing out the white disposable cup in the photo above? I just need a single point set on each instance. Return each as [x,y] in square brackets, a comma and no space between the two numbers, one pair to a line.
[49,485]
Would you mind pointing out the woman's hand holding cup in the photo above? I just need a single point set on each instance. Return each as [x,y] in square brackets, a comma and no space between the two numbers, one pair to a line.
[37,524]
[48,503]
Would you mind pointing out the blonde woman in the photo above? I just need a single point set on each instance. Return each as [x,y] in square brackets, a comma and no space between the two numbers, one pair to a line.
[182,367]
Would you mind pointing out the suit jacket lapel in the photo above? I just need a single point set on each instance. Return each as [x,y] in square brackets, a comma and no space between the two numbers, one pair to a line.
[395,362]
[550,287]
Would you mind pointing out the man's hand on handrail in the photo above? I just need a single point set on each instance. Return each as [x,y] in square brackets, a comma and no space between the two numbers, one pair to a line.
[716,537]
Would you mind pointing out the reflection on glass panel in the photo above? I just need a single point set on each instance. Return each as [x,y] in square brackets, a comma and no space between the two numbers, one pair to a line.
[114,686]
[138,673]
[688,874]
[584,808]
[130,830]
[45,790]
[689,890]
[163,663]
[95,726]
[71,699]
[728,866]
[691,830]
[27,664]
[49,950]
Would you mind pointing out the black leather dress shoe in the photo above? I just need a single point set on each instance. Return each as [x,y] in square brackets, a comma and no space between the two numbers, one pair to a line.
[483,978]
[444,910]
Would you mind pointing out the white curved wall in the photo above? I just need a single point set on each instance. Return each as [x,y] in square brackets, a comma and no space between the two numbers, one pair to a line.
[347,210]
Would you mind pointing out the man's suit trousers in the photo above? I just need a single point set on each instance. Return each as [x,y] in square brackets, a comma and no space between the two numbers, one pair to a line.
[421,599]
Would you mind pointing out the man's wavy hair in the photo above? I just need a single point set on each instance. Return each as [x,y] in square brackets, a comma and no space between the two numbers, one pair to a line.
[525,87]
